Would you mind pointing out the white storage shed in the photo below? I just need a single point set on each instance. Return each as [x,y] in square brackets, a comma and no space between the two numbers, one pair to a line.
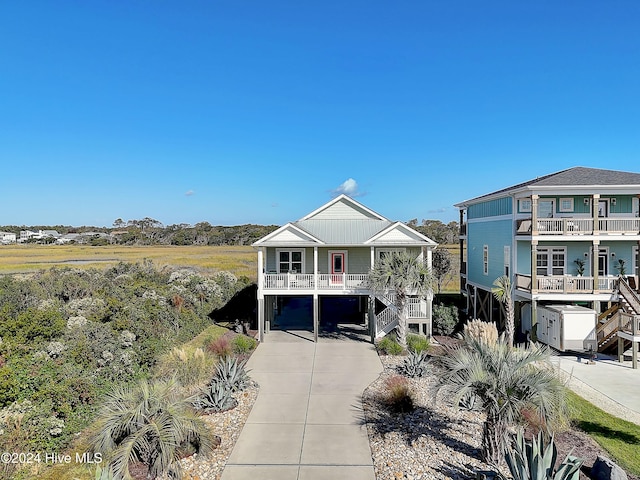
[565,327]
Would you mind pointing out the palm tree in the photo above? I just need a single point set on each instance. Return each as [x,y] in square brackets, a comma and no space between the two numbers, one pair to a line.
[151,424]
[404,274]
[507,382]
[502,291]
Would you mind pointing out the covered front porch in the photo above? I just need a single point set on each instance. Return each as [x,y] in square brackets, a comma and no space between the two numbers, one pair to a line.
[566,284]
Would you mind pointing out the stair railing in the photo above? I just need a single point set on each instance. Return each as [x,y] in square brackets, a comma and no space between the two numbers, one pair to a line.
[629,295]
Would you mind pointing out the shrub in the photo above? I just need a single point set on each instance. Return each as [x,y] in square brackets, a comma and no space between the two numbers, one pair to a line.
[486,332]
[243,344]
[417,343]
[445,319]
[389,346]
[415,364]
[190,366]
[397,394]
[220,346]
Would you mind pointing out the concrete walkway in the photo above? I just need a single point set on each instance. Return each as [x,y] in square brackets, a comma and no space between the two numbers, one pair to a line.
[307,422]
[613,385]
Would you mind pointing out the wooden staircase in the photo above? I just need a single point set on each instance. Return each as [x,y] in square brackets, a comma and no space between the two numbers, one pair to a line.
[622,318]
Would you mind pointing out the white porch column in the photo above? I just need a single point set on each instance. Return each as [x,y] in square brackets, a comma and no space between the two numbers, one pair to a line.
[260,299]
[316,321]
[373,258]
[429,258]
[315,268]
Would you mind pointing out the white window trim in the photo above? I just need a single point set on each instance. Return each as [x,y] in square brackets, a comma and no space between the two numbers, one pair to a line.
[485,259]
[549,251]
[568,209]
[290,250]
[524,205]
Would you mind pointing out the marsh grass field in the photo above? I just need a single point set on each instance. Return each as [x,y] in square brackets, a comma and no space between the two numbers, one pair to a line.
[239,260]
[24,259]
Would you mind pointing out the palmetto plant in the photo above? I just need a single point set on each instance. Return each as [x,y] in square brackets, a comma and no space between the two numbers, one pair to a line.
[404,274]
[151,424]
[505,382]
[503,292]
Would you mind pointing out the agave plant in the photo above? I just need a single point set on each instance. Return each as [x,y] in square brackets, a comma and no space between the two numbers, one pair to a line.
[216,398]
[231,372]
[415,364]
[536,461]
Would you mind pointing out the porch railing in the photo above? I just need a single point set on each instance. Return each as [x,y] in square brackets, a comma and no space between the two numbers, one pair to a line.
[307,281]
[565,284]
[578,226]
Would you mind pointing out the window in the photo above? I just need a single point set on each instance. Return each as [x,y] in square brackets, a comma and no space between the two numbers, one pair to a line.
[566,204]
[524,205]
[290,261]
[551,261]
[507,259]
[485,259]
[383,252]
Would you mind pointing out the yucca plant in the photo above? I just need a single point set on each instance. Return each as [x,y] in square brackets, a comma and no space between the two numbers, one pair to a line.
[536,460]
[151,424]
[415,364]
[215,398]
[231,372]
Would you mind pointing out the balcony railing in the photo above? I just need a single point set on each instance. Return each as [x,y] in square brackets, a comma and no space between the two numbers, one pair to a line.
[579,226]
[309,281]
[566,284]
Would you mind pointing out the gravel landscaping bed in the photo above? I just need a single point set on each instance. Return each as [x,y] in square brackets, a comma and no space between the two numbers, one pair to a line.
[226,425]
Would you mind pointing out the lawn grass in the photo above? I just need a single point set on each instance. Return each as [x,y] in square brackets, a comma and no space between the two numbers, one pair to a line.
[21,259]
[617,436]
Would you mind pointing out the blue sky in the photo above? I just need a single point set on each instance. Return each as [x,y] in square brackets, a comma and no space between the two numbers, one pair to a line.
[238,112]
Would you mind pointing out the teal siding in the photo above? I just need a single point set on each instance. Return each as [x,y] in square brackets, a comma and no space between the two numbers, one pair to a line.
[496,235]
[492,208]
[623,204]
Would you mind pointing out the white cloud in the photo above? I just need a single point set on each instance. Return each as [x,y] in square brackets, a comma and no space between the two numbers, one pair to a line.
[189,193]
[348,187]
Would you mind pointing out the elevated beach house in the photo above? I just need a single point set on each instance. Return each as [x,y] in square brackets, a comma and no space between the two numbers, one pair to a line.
[312,273]
[569,243]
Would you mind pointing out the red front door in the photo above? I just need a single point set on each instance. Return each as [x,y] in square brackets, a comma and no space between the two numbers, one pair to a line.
[337,267]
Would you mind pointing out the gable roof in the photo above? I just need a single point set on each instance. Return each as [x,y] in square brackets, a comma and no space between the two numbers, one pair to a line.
[571,177]
[344,221]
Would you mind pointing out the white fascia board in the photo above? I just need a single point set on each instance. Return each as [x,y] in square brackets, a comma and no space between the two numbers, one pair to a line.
[399,225]
[336,200]
[288,226]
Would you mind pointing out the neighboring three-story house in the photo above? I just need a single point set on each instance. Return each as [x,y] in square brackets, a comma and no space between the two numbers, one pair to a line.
[568,238]
[315,271]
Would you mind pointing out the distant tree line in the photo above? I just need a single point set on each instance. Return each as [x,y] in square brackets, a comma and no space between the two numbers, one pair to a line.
[148,231]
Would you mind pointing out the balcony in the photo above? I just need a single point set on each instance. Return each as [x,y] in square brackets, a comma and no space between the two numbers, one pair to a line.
[580,226]
[566,284]
[320,281]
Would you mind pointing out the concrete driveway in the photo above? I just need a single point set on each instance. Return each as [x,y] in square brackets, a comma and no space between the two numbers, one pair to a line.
[307,422]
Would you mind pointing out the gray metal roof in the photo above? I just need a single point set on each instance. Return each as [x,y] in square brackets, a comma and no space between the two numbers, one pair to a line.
[343,232]
[576,176]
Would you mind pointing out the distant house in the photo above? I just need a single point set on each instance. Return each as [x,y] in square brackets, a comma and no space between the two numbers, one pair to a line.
[67,238]
[7,237]
[565,239]
[319,265]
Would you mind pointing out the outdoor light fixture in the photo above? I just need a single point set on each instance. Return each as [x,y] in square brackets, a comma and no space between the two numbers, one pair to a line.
[586,201]
[586,254]
[613,254]
[613,201]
